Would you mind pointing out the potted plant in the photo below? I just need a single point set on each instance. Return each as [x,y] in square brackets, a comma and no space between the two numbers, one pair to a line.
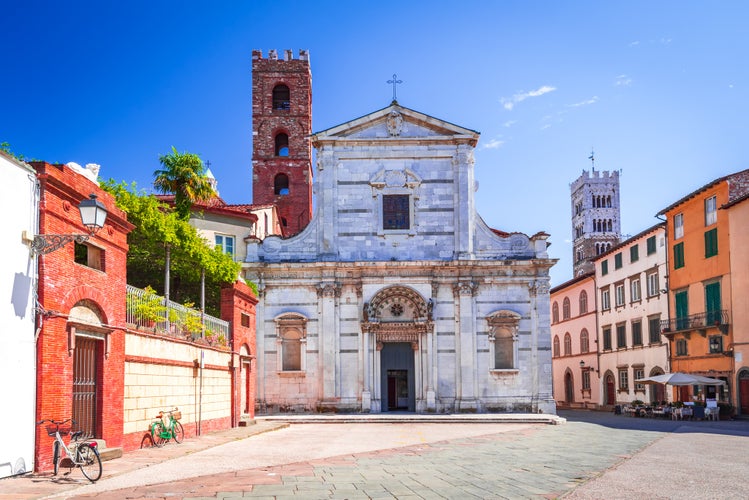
[149,308]
[192,325]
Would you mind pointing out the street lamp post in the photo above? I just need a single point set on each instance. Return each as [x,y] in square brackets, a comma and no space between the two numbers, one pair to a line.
[93,215]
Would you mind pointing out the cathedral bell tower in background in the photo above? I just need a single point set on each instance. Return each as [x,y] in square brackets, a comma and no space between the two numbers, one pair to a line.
[281,127]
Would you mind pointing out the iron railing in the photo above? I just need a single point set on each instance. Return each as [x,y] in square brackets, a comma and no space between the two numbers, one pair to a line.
[710,319]
[183,321]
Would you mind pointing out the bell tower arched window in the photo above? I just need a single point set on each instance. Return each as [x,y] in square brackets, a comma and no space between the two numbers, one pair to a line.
[281,97]
[281,184]
[282,144]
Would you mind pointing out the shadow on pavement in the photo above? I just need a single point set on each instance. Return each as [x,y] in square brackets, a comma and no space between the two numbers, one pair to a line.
[609,419]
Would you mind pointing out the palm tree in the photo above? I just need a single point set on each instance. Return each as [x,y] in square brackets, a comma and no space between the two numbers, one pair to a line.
[183,175]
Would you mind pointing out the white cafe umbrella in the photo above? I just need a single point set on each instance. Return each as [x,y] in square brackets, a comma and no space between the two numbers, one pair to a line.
[678,378]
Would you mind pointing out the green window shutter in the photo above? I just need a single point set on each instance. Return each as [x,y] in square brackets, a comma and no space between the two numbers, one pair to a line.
[679,255]
[618,261]
[711,242]
[712,302]
[682,309]
[634,253]
[651,245]
[605,267]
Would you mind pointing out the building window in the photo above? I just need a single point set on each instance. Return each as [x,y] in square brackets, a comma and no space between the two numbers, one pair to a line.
[618,261]
[621,336]
[291,335]
[566,308]
[639,374]
[619,291]
[556,346]
[282,144]
[567,344]
[245,320]
[679,255]
[89,256]
[654,329]
[650,243]
[711,242]
[225,243]
[396,211]
[636,332]
[584,341]
[281,184]
[503,331]
[713,303]
[652,284]
[604,267]
[634,253]
[606,338]
[716,344]
[605,300]
[281,97]
[678,226]
[555,313]
[623,379]
[586,380]
[711,212]
[681,347]
[681,306]
[583,302]
[634,290]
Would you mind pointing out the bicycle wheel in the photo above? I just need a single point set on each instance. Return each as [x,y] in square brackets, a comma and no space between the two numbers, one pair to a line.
[56,455]
[89,461]
[157,430]
[178,432]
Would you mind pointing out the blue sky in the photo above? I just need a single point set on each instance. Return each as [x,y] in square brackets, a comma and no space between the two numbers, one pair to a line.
[660,89]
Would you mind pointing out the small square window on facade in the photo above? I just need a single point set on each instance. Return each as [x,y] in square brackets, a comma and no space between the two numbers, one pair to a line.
[89,256]
[225,243]
[618,261]
[604,267]
[586,380]
[681,347]
[639,374]
[245,320]
[624,380]
[634,290]
[396,212]
[653,289]
[654,329]
[619,291]
[621,336]
[637,332]
[605,300]
[606,338]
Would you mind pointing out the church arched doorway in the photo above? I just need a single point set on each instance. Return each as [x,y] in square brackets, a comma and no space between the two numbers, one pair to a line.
[569,389]
[610,390]
[398,318]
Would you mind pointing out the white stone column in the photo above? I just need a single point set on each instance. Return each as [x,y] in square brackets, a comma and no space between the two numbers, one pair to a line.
[466,344]
[328,294]
[260,346]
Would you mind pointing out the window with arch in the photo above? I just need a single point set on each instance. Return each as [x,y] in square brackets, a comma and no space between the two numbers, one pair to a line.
[282,144]
[281,97]
[567,344]
[566,308]
[583,302]
[555,313]
[503,329]
[291,336]
[584,341]
[281,184]
[556,346]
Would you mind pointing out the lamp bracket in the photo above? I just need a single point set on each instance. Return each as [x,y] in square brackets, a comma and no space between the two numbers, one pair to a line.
[42,244]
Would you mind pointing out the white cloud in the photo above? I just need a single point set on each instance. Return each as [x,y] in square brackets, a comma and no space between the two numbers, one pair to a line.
[522,96]
[634,44]
[587,102]
[494,144]
[510,123]
[623,81]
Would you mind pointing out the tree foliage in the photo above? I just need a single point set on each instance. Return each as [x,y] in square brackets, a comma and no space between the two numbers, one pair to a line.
[183,175]
[157,225]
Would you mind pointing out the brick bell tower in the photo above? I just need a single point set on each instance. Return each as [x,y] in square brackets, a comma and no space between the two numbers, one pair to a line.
[281,128]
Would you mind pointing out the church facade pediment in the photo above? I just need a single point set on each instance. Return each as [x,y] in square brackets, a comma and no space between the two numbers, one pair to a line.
[395,123]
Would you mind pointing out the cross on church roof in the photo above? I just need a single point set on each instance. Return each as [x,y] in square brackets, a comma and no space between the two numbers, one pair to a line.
[395,82]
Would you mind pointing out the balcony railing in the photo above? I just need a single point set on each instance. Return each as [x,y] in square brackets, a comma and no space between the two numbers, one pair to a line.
[150,311]
[716,319]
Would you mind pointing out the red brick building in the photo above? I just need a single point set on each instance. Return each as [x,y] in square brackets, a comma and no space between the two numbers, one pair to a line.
[81,293]
[281,127]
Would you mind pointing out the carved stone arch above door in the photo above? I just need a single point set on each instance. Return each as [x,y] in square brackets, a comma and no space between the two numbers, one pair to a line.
[397,314]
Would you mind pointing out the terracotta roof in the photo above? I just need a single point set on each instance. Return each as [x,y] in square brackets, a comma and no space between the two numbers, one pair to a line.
[734,192]
[574,280]
[630,240]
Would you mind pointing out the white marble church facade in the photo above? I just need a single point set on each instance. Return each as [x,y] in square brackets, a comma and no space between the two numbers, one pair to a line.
[397,295]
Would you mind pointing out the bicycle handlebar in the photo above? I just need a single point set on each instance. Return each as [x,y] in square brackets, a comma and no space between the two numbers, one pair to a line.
[56,422]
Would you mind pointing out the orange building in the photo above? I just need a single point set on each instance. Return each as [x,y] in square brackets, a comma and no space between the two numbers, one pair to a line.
[700,329]
[738,222]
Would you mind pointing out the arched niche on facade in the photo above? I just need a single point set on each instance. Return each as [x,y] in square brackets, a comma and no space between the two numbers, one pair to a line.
[291,337]
[397,314]
[503,326]
[86,319]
